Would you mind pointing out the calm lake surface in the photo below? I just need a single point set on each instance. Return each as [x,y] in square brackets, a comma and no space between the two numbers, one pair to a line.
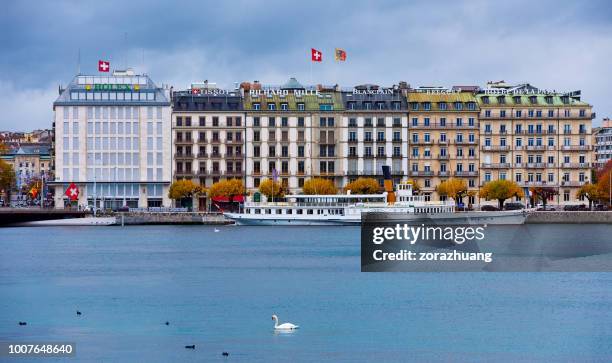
[219,290]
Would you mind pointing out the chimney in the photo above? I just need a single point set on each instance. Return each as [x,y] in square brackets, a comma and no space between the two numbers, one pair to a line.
[388,184]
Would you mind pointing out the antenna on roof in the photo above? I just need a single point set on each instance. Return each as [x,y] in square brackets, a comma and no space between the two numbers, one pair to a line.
[79,62]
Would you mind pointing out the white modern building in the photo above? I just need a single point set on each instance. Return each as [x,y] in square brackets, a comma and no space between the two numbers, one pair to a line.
[113,140]
[603,143]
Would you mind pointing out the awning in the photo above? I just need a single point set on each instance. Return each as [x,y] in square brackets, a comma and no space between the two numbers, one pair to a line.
[237,198]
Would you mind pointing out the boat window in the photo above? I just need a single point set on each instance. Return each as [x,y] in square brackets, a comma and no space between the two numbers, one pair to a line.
[257,211]
[310,211]
[268,211]
[300,211]
[289,211]
[279,211]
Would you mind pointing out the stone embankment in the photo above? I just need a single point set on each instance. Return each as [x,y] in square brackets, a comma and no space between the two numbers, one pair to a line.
[569,217]
[135,218]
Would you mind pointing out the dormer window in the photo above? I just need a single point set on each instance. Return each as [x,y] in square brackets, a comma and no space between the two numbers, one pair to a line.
[533,100]
[380,105]
[284,107]
[367,105]
[443,106]
[471,106]
[548,99]
[256,106]
[458,106]
[501,100]
[414,106]
[427,106]
[485,100]
[272,106]
[565,100]
[301,107]
[517,100]
[351,105]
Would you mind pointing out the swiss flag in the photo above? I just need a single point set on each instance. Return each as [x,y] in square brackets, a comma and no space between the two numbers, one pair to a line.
[103,66]
[72,192]
[316,55]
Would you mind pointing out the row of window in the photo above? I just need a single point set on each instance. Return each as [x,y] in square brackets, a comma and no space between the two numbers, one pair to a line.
[538,141]
[457,106]
[533,113]
[229,121]
[536,177]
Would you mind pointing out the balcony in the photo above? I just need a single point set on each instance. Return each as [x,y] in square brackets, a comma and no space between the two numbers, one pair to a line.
[443,157]
[466,173]
[575,165]
[352,141]
[465,142]
[183,174]
[495,148]
[421,173]
[535,166]
[183,156]
[536,147]
[443,173]
[421,142]
[183,141]
[395,139]
[576,147]
[495,166]
[202,141]
[573,183]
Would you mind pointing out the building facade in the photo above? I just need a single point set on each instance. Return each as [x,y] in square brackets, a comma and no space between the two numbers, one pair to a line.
[443,139]
[208,135]
[292,131]
[602,137]
[535,138]
[113,140]
[374,132]
[31,162]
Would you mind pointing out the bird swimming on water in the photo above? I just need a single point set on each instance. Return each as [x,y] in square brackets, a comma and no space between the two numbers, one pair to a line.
[78,312]
[284,326]
[167,323]
[190,346]
[23,323]
[225,354]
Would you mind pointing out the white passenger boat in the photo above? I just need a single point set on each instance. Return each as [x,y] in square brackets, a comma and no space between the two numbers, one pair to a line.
[85,221]
[347,209]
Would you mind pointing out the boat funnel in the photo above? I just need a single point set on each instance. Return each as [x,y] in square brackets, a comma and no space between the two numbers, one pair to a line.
[388,184]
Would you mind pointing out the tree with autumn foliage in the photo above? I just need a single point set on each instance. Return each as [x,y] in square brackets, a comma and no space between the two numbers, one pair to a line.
[501,190]
[319,186]
[592,192]
[604,181]
[453,188]
[227,188]
[543,194]
[272,189]
[181,189]
[7,179]
[363,186]
[416,187]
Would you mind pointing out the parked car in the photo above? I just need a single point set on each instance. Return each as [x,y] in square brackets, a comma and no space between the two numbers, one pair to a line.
[489,208]
[514,206]
[574,208]
[600,207]
[546,209]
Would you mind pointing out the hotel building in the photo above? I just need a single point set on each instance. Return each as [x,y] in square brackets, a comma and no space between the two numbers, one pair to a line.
[535,138]
[208,135]
[294,130]
[443,138]
[112,139]
[374,132]
[603,143]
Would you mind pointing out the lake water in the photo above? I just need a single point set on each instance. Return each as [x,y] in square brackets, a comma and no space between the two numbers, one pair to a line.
[219,290]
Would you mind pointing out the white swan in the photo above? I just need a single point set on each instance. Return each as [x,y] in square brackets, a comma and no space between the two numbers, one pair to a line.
[217,230]
[284,326]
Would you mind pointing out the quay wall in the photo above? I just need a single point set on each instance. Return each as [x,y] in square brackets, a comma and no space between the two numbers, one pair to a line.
[569,217]
[136,218]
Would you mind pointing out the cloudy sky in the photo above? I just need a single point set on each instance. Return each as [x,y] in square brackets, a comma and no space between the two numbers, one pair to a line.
[551,44]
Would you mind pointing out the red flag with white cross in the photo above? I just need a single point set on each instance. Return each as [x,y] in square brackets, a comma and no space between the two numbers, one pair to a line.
[316,55]
[103,66]
[72,192]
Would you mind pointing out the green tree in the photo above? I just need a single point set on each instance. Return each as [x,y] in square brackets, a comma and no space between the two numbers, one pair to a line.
[319,186]
[363,186]
[501,190]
